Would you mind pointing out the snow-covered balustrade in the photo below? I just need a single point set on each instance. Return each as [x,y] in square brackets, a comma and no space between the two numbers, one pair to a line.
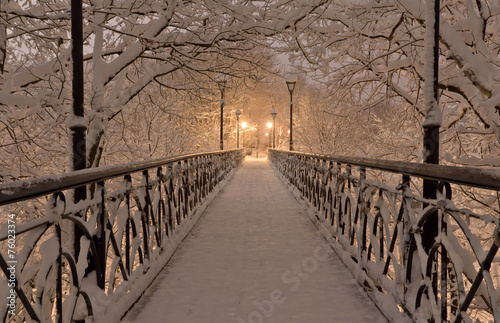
[373,213]
[91,260]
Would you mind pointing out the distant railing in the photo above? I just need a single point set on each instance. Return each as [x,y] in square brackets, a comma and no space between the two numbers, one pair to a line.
[126,230]
[378,227]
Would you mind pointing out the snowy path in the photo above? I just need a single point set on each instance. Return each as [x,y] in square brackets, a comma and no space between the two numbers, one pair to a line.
[254,257]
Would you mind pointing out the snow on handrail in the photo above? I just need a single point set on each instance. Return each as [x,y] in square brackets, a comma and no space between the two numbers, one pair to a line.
[44,185]
[91,260]
[487,178]
[378,229]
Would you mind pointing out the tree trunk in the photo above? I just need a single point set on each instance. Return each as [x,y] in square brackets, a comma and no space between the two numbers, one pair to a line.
[3,35]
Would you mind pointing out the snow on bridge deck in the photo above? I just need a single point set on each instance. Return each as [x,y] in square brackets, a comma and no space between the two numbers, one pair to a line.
[255,256]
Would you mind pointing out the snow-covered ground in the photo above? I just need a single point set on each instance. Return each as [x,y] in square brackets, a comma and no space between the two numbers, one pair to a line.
[255,256]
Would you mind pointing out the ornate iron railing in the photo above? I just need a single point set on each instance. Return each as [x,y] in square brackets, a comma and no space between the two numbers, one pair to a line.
[129,226]
[377,227]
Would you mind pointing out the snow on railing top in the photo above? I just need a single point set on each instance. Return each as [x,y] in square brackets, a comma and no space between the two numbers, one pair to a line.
[378,226]
[43,185]
[91,260]
[487,178]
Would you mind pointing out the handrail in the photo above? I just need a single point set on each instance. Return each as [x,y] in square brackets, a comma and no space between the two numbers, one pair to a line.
[487,178]
[48,184]
[380,230]
[92,252]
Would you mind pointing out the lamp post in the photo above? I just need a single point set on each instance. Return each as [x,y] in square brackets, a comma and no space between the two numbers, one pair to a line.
[244,125]
[221,81]
[431,123]
[273,114]
[268,135]
[291,79]
[78,130]
[238,113]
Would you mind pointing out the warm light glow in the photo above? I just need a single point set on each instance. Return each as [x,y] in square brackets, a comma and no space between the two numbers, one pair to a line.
[269,125]
[244,125]
[288,131]
[267,134]
[291,79]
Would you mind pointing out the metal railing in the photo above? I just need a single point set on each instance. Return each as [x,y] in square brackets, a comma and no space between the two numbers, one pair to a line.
[126,230]
[377,225]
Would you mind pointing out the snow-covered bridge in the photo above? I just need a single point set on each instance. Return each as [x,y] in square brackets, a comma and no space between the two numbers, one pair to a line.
[255,255]
[145,79]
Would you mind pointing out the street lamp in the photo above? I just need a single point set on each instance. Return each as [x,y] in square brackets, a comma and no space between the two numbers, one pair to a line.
[238,113]
[291,79]
[273,114]
[430,125]
[244,125]
[221,81]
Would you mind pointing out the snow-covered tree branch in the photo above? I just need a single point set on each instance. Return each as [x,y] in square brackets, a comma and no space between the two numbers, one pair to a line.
[130,46]
[369,49]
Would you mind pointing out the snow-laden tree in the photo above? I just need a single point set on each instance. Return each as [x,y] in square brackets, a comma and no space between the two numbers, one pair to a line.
[373,51]
[128,47]
[340,126]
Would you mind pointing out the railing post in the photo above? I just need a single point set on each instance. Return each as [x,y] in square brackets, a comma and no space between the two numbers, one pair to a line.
[362,208]
[159,227]
[145,216]
[59,289]
[187,189]
[407,240]
[291,122]
[406,220]
[195,181]
[101,236]
[170,197]
[328,190]
[128,263]
[445,261]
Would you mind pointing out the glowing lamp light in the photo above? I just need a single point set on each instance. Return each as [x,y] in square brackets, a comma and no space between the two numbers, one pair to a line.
[269,125]
[244,125]
[290,80]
